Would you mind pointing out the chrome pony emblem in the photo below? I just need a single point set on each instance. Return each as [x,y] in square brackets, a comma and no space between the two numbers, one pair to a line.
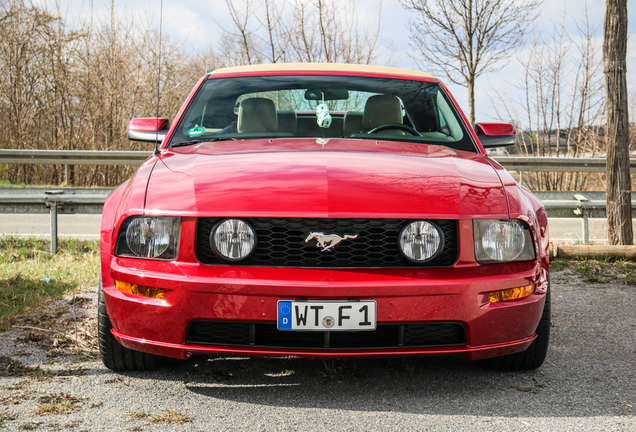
[328,241]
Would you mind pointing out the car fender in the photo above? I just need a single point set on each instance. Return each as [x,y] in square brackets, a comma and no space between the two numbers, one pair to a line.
[126,200]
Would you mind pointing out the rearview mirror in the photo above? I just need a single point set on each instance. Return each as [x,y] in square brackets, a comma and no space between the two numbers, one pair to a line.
[148,129]
[330,94]
[496,134]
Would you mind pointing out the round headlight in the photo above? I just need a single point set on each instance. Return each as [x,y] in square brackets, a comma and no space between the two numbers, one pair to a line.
[420,241]
[149,237]
[233,239]
[503,240]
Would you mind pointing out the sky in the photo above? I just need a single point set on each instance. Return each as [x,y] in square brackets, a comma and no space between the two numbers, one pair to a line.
[197,23]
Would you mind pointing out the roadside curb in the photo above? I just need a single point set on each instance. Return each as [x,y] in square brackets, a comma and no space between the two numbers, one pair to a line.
[593,251]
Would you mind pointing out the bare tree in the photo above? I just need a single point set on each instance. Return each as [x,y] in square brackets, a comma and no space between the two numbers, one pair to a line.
[275,31]
[240,46]
[559,106]
[619,208]
[464,39]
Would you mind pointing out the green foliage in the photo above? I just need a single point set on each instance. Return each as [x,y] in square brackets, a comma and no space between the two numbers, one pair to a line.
[559,264]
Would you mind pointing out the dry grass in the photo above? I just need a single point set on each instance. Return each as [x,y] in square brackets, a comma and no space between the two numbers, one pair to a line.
[60,403]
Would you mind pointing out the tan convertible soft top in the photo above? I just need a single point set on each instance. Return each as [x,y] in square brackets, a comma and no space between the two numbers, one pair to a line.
[322,67]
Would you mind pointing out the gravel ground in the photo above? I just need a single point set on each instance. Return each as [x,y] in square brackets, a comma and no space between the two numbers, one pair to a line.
[588,382]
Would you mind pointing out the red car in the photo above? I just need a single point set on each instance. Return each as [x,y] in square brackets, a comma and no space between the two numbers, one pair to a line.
[325,211]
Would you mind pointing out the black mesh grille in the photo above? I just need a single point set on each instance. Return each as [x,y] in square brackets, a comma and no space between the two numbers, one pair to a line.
[267,335]
[281,243]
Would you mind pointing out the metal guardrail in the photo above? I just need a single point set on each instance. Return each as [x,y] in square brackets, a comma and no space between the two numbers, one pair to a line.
[91,201]
[552,164]
[40,200]
[73,157]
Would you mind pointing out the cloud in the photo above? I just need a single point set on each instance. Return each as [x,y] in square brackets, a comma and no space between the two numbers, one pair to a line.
[185,25]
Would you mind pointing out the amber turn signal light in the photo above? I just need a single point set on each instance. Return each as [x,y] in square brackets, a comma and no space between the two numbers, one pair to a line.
[140,290]
[511,294]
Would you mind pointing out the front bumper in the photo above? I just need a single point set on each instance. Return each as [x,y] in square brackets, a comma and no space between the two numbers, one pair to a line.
[250,294]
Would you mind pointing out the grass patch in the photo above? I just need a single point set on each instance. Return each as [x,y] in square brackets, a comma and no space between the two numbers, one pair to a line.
[606,270]
[60,403]
[169,417]
[30,276]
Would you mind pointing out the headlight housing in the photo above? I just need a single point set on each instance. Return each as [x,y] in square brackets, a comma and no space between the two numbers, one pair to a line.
[421,241]
[152,237]
[504,240]
[233,239]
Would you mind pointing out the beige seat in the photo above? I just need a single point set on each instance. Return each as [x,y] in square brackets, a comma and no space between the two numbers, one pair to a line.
[257,115]
[380,110]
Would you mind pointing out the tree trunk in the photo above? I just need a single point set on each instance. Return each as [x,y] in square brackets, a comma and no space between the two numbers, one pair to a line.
[619,208]
[470,84]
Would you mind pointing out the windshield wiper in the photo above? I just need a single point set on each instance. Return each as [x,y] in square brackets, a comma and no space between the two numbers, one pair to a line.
[212,139]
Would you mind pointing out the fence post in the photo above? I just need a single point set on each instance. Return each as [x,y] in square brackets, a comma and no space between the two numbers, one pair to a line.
[53,206]
[67,174]
[53,227]
[584,211]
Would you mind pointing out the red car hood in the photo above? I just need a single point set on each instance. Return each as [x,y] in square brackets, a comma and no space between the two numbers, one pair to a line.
[324,178]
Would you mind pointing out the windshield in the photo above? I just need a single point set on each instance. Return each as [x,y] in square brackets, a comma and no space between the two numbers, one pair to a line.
[322,107]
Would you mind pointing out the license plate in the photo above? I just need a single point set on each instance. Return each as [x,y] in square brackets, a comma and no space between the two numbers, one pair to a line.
[326,315]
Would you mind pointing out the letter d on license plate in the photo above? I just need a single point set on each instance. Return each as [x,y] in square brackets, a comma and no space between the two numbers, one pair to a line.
[326,315]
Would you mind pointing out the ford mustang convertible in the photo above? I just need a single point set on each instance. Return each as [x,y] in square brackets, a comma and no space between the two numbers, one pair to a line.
[322,211]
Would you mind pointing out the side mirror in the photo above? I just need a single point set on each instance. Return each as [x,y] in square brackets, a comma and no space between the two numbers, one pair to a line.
[496,134]
[149,129]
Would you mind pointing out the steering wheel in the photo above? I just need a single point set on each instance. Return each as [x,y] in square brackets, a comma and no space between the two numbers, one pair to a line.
[400,126]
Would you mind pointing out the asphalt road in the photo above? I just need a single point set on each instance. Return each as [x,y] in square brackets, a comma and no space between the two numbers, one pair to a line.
[87,227]
[588,383]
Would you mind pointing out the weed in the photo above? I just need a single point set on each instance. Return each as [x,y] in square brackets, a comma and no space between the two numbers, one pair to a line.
[219,375]
[593,279]
[525,389]
[559,264]
[585,268]
[60,403]
[340,372]
[169,417]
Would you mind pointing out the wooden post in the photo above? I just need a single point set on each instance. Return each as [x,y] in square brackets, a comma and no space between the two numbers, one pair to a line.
[619,209]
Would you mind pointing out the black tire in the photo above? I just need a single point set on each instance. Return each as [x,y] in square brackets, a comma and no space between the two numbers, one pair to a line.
[533,356]
[115,356]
